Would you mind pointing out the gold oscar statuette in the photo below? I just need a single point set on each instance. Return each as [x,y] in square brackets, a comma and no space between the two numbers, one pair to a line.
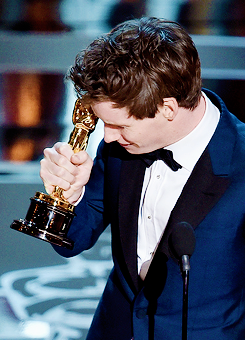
[49,216]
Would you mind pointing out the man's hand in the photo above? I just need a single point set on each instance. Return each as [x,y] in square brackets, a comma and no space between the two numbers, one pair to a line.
[68,170]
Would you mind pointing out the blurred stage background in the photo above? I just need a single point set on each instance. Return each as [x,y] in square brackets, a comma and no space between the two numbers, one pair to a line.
[42,295]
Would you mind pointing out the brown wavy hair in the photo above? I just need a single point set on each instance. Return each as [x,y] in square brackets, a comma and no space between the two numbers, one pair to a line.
[138,64]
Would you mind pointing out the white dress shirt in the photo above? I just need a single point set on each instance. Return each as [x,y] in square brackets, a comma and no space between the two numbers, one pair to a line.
[162,186]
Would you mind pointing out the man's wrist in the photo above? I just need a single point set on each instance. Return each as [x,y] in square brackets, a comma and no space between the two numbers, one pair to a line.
[80,198]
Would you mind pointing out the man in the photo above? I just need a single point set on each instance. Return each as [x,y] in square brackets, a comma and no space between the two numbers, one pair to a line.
[143,80]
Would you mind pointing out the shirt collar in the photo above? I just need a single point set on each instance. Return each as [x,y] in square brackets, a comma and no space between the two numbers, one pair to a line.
[188,150]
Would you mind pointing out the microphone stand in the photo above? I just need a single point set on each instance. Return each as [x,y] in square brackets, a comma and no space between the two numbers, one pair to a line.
[182,242]
[185,275]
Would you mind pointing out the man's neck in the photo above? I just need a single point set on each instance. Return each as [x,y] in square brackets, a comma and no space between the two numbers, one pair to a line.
[186,120]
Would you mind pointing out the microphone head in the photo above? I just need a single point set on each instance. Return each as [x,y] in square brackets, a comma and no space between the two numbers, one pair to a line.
[182,240]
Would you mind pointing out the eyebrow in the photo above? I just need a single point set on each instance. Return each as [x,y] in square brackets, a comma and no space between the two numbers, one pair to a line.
[115,125]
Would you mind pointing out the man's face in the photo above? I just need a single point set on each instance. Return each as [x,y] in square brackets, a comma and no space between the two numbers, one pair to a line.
[137,136]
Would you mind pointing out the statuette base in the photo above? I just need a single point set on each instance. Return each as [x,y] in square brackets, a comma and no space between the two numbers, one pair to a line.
[47,221]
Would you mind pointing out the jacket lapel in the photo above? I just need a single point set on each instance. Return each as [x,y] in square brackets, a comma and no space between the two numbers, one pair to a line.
[200,194]
[131,180]
[123,183]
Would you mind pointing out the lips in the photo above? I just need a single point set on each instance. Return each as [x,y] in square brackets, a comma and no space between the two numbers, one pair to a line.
[125,145]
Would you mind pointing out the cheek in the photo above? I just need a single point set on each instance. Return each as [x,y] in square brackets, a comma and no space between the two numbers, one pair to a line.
[144,132]
[130,135]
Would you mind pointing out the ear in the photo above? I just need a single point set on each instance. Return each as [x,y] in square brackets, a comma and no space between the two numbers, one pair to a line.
[170,108]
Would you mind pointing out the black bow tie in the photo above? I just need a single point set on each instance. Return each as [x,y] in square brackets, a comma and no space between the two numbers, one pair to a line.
[161,154]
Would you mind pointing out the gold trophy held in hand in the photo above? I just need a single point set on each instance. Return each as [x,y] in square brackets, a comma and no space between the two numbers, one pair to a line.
[49,216]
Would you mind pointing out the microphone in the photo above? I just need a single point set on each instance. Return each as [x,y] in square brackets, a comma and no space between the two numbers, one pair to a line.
[182,243]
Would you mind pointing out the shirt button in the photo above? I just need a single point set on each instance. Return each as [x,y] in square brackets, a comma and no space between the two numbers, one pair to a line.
[158,176]
[149,217]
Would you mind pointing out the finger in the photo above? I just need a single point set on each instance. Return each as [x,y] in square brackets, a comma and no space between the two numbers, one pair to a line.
[57,162]
[64,149]
[83,175]
[72,196]
[60,155]
[79,157]
[59,148]
[52,176]
[49,188]
[83,171]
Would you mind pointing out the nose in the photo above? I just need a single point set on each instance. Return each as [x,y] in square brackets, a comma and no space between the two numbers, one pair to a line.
[111,134]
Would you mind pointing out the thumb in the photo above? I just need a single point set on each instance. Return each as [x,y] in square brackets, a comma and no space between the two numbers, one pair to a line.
[79,157]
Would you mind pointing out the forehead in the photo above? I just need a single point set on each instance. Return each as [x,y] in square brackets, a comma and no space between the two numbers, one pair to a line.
[110,114]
